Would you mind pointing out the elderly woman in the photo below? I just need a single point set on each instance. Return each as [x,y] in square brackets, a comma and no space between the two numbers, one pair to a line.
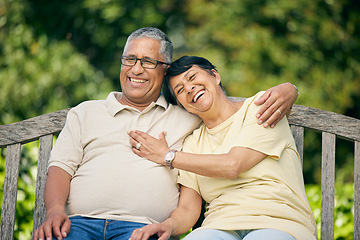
[250,176]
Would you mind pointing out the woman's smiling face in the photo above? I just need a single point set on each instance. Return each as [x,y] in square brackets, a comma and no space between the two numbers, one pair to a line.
[196,89]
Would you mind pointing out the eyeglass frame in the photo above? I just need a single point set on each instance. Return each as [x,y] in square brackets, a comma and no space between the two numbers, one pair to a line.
[141,59]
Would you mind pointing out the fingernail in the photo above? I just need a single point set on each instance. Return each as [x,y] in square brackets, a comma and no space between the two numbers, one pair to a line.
[259,122]
[272,126]
[266,125]
[257,115]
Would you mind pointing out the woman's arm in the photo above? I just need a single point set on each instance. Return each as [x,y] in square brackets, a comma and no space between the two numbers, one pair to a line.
[228,165]
[180,221]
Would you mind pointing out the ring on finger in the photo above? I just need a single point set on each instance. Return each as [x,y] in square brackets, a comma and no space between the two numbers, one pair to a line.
[140,229]
[138,145]
[279,111]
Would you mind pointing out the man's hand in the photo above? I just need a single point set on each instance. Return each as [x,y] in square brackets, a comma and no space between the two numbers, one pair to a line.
[276,102]
[57,223]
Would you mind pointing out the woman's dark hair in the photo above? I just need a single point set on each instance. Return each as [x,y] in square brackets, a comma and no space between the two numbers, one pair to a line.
[180,66]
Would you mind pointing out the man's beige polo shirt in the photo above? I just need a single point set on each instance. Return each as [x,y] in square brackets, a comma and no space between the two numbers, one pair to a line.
[108,180]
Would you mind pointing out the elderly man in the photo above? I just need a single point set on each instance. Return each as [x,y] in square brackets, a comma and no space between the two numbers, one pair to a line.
[97,188]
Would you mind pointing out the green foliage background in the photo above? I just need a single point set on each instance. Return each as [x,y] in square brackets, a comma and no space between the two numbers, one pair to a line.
[56,54]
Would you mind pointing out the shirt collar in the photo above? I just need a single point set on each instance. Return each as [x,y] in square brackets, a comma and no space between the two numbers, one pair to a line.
[114,106]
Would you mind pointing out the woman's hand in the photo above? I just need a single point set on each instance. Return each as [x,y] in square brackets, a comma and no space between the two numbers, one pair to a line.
[149,147]
[162,230]
[180,221]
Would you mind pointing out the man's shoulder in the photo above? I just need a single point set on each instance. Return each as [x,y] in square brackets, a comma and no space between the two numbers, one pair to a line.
[85,106]
[177,108]
[89,103]
[182,112]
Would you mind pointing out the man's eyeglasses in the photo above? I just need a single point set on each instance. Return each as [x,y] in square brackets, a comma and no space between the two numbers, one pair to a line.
[145,62]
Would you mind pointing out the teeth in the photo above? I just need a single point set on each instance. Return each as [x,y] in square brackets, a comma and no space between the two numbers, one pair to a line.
[198,95]
[134,80]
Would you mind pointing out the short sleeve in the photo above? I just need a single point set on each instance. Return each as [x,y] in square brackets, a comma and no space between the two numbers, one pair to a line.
[68,151]
[270,141]
[188,179]
[185,178]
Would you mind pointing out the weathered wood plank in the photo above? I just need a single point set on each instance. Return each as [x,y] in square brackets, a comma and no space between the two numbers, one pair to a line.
[298,134]
[327,185]
[45,146]
[10,191]
[317,119]
[33,128]
[357,191]
[321,120]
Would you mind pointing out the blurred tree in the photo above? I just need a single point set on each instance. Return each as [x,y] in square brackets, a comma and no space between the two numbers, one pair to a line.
[257,44]
[55,54]
[39,74]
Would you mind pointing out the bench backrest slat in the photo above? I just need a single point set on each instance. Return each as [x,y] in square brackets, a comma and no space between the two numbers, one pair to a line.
[298,134]
[45,146]
[10,191]
[357,190]
[327,185]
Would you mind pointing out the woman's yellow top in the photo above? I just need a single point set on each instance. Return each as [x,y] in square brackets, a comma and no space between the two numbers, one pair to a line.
[269,195]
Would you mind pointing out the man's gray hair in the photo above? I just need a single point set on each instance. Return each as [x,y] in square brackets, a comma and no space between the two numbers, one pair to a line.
[166,49]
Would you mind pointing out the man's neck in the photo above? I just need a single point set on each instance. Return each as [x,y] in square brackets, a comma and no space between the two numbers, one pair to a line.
[138,106]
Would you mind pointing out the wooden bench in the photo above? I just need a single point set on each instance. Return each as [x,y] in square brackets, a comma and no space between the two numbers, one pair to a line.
[43,128]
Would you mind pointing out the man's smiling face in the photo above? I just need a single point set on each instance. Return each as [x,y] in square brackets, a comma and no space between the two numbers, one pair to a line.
[141,86]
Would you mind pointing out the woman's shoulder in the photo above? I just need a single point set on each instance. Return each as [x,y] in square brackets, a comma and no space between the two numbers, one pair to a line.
[252,99]
[248,105]
[193,139]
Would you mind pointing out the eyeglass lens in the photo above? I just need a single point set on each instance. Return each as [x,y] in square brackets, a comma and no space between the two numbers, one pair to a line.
[146,63]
